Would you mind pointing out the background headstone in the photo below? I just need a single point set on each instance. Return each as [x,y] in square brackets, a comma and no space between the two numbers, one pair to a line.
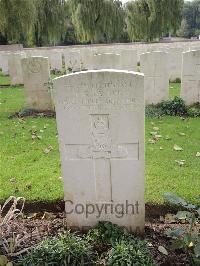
[106,61]
[4,62]
[55,60]
[190,87]
[15,68]
[175,63]
[72,60]
[128,59]
[155,67]
[36,77]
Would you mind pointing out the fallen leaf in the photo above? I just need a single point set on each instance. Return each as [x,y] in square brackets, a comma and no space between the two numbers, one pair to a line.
[168,138]
[170,218]
[151,141]
[156,128]
[177,148]
[13,180]
[34,135]
[163,250]
[198,154]
[158,136]
[191,245]
[161,148]
[48,149]
[182,134]
[153,133]
[48,216]
[180,162]
[60,177]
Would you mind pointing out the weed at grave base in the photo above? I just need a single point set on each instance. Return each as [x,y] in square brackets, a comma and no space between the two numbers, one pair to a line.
[107,243]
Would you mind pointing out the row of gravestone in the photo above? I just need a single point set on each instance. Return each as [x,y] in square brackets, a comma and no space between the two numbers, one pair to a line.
[34,73]
[74,60]
[119,57]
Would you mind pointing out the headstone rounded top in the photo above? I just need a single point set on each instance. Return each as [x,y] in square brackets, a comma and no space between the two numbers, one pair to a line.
[99,71]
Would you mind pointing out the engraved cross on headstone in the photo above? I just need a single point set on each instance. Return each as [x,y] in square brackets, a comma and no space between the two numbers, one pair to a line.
[102,152]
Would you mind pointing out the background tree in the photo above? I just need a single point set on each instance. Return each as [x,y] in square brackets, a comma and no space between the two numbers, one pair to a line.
[17,18]
[97,20]
[151,19]
[138,20]
[191,19]
[51,22]
[184,30]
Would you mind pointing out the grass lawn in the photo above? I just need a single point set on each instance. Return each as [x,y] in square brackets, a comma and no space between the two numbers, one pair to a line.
[26,170]
[174,90]
[4,80]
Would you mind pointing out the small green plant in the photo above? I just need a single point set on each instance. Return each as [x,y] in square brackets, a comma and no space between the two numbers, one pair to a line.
[123,248]
[194,110]
[107,243]
[185,238]
[56,72]
[175,107]
[107,233]
[66,250]
[129,252]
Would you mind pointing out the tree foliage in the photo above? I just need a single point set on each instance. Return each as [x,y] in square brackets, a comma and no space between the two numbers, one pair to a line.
[37,22]
[97,20]
[150,19]
[190,25]
[16,18]
[51,22]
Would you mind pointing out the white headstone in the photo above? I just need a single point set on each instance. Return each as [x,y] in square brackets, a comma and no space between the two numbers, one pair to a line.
[72,60]
[175,63]
[15,68]
[55,60]
[100,119]
[190,91]
[128,59]
[86,58]
[36,76]
[4,63]
[155,67]
[106,61]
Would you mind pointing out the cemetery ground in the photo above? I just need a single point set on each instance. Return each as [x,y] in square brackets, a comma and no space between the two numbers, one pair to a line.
[30,168]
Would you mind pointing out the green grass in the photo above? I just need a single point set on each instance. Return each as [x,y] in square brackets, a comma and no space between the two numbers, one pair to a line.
[29,172]
[4,80]
[174,90]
